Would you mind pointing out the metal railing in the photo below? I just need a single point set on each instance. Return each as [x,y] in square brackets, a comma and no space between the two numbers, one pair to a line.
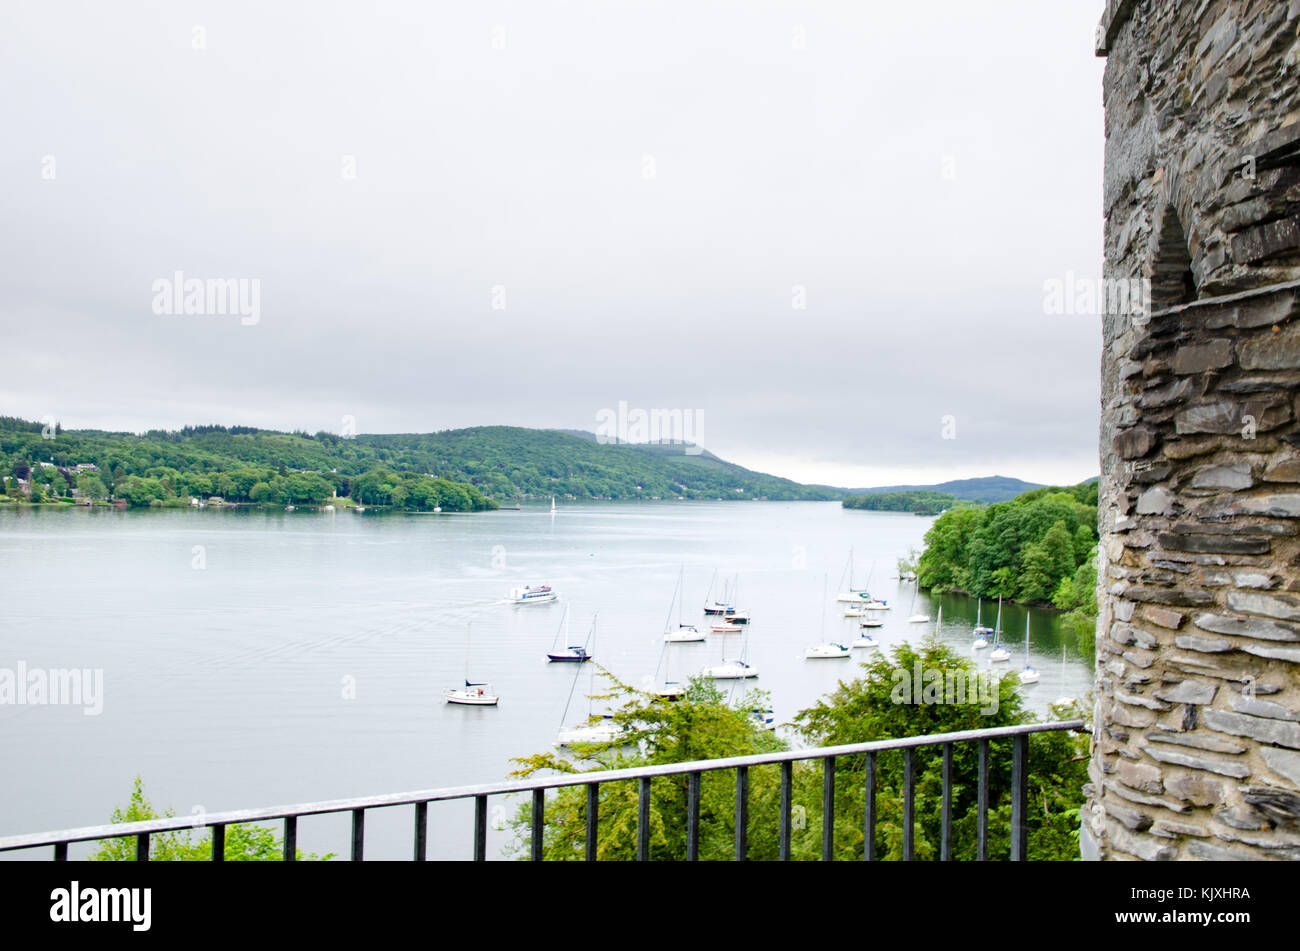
[1019,735]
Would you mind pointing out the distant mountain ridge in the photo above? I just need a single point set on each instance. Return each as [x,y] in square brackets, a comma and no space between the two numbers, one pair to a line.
[988,489]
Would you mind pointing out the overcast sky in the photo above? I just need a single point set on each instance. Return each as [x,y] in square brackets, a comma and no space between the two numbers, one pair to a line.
[524,213]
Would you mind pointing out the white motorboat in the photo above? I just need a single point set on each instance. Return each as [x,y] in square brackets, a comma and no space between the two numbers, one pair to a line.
[823,651]
[726,628]
[532,594]
[737,617]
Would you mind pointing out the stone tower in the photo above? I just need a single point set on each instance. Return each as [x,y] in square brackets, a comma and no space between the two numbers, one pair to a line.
[1196,744]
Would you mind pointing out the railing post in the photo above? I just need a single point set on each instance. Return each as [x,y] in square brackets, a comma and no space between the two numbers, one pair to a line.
[643,819]
[1019,791]
[537,842]
[909,797]
[828,809]
[593,819]
[358,834]
[480,828]
[742,813]
[421,831]
[869,818]
[290,838]
[219,842]
[787,792]
[60,851]
[945,836]
[142,847]
[692,817]
[983,805]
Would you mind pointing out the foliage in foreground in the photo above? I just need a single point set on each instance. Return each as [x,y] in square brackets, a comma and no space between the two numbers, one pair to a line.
[244,843]
[706,725]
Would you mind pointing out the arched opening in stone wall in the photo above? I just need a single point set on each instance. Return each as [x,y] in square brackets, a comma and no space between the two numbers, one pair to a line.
[1172,281]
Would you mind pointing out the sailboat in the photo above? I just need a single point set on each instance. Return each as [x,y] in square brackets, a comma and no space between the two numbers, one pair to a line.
[668,689]
[574,653]
[1030,674]
[552,505]
[600,729]
[827,649]
[683,632]
[917,618]
[717,607]
[859,596]
[999,654]
[981,632]
[734,669]
[1063,701]
[474,694]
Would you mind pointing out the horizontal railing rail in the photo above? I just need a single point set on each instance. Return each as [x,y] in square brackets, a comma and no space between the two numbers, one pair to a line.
[537,786]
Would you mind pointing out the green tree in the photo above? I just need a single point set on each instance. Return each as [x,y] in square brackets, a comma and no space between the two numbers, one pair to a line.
[700,725]
[244,842]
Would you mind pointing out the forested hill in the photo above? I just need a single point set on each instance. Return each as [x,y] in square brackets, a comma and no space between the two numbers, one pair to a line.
[502,462]
[989,489]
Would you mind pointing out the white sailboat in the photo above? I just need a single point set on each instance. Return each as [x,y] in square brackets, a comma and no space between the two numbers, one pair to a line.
[981,632]
[666,688]
[682,633]
[826,649]
[732,669]
[999,654]
[1030,674]
[474,693]
[1063,701]
[859,596]
[871,622]
[917,618]
[552,505]
[596,729]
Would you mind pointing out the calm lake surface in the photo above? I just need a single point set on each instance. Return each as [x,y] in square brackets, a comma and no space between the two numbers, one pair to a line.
[228,641]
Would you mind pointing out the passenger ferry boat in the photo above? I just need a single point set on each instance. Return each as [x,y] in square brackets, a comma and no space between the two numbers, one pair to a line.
[532,594]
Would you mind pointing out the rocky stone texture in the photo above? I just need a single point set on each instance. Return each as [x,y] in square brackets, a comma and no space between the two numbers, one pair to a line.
[1196,747]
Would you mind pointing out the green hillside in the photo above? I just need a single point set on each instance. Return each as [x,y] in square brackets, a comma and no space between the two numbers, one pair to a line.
[500,462]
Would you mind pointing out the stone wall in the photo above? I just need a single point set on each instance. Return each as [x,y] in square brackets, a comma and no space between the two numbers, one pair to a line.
[1196,746]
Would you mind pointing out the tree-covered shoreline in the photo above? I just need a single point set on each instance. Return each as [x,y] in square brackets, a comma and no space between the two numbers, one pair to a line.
[918,502]
[456,470]
[1039,548]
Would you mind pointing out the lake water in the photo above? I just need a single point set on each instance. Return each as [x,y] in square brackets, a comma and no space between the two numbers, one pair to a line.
[253,659]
